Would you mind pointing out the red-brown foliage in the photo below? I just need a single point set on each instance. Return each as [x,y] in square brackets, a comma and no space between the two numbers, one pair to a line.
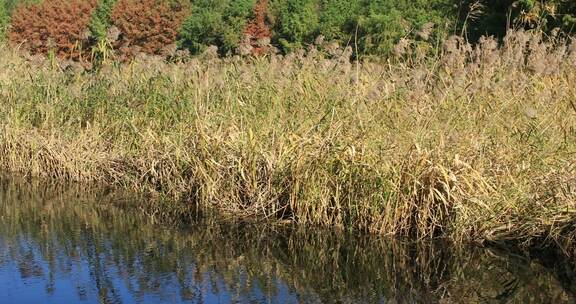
[53,25]
[147,26]
[257,30]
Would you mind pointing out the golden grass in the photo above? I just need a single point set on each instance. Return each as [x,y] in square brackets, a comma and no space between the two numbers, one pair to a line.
[474,145]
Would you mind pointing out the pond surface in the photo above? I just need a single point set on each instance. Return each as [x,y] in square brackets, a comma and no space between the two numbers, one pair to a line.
[69,245]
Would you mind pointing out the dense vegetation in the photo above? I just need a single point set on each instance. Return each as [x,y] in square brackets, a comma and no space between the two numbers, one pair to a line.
[147,26]
[492,17]
[477,147]
[380,27]
[6,8]
[53,27]
[218,23]
[101,20]
[4,20]
[371,26]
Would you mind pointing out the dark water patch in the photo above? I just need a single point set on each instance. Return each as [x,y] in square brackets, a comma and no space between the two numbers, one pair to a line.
[73,244]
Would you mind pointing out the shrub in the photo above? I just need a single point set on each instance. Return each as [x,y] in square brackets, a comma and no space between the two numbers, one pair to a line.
[494,17]
[384,22]
[4,20]
[215,22]
[257,30]
[546,14]
[296,22]
[53,26]
[147,26]
[6,8]
[101,19]
[377,25]
[339,18]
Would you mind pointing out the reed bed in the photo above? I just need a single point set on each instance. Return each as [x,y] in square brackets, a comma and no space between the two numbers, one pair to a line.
[474,144]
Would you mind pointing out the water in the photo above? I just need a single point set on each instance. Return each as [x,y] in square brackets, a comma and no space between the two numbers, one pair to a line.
[68,245]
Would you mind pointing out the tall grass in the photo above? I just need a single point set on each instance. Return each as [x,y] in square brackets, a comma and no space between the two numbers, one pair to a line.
[474,145]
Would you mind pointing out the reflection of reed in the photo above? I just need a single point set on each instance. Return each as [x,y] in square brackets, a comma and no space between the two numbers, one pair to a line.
[61,227]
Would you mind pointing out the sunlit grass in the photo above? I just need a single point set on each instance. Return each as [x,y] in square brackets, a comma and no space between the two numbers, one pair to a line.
[475,145]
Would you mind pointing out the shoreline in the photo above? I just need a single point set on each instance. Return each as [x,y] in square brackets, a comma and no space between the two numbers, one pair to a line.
[62,223]
[476,147]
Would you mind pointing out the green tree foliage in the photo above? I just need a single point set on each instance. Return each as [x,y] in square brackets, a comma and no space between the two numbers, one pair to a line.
[375,24]
[100,21]
[215,22]
[296,22]
[339,18]
[384,22]
[373,27]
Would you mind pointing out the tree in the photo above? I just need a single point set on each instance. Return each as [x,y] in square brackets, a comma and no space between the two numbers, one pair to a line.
[296,22]
[215,22]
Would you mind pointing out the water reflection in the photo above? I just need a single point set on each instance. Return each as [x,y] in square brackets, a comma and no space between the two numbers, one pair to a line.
[61,245]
